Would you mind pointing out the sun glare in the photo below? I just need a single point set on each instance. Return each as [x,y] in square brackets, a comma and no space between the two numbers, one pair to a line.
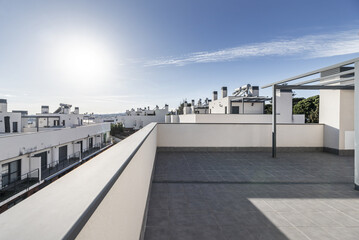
[82,59]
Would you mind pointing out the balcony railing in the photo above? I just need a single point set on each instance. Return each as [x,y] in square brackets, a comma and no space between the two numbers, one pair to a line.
[22,182]
[88,151]
[57,166]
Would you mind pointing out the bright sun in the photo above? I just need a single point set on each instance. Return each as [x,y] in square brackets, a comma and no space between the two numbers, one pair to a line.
[82,59]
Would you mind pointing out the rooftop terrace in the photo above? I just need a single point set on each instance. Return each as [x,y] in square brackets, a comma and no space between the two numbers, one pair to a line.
[198,181]
[249,195]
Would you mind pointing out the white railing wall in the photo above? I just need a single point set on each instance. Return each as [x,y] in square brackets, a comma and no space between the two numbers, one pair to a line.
[121,212]
[238,135]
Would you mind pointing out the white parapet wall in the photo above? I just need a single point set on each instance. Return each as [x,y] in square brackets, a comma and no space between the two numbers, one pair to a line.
[239,135]
[103,199]
[238,118]
[120,214]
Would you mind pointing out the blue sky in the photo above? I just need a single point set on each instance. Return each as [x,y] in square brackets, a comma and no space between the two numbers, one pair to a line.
[109,56]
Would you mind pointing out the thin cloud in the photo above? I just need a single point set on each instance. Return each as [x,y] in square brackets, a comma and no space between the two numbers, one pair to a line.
[310,46]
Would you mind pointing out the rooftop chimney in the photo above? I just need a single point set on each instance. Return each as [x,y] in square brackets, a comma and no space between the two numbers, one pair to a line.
[3,105]
[192,102]
[224,92]
[44,109]
[215,95]
[77,110]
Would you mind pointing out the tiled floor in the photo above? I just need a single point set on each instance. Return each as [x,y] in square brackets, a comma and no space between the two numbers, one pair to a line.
[236,195]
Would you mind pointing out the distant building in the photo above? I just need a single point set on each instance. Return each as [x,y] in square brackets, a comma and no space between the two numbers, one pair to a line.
[36,147]
[136,119]
[244,106]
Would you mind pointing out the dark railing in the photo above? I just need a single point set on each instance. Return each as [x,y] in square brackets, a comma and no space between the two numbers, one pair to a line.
[88,151]
[57,166]
[22,182]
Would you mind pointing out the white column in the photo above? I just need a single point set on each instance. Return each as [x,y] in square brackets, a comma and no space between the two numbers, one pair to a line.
[356,126]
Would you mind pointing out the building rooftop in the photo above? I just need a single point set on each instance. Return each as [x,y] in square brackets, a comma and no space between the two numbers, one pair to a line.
[249,195]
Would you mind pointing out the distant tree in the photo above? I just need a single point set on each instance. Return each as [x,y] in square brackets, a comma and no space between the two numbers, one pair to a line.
[268,108]
[116,128]
[309,107]
[297,100]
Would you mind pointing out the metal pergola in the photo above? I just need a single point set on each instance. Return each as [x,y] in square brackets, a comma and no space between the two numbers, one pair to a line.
[250,99]
[344,80]
[37,117]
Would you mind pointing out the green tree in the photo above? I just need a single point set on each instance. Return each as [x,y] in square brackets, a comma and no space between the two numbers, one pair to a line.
[268,108]
[309,107]
[116,128]
[297,100]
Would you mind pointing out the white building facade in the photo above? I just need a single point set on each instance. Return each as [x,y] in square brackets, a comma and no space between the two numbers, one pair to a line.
[39,152]
[137,119]
[245,106]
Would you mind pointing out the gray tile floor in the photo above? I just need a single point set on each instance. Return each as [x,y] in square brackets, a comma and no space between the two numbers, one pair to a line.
[249,195]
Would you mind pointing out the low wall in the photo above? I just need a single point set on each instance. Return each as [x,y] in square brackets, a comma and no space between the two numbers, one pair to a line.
[105,198]
[237,118]
[120,214]
[239,135]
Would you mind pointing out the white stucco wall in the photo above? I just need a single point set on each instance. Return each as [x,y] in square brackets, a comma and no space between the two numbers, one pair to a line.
[120,214]
[218,106]
[284,105]
[14,117]
[237,118]
[336,111]
[239,135]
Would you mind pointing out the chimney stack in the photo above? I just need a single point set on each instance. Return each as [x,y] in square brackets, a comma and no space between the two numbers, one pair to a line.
[224,92]
[215,95]
[77,110]
[44,109]
[3,105]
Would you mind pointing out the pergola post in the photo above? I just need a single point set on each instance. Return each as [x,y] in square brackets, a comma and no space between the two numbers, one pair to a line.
[274,122]
[356,125]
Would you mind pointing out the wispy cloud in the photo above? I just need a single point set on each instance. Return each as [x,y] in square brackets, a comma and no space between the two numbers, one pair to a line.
[310,46]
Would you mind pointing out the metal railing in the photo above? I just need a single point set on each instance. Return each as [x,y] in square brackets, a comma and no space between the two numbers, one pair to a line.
[88,151]
[22,182]
[57,166]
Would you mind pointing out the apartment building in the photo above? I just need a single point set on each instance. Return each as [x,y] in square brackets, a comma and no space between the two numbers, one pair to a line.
[36,147]
[136,119]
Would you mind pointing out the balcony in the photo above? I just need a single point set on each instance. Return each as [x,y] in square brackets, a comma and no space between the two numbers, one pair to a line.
[199,181]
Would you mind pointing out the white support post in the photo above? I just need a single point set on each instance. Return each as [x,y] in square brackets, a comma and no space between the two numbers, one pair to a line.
[356,125]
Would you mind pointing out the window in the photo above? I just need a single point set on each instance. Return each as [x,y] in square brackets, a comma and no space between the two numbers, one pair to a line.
[235,110]
[11,172]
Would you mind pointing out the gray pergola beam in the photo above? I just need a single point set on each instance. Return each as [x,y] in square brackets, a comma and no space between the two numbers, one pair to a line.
[351,61]
[327,77]
[316,87]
